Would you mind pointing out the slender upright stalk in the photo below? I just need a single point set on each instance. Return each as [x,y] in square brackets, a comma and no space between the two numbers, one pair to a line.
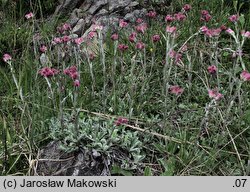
[102,60]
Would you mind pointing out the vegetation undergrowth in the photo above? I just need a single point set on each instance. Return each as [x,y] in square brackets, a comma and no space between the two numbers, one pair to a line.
[171,90]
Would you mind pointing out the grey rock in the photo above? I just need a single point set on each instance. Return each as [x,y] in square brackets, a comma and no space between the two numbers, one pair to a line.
[97,6]
[102,12]
[79,27]
[118,4]
[73,21]
[132,16]
[86,5]
[77,13]
[66,6]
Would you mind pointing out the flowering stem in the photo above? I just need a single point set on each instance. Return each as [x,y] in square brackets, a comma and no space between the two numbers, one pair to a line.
[152,61]
[102,57]
[75,111]
[217,63]
[91,71]
[166,74]
[113,73]
[51,91]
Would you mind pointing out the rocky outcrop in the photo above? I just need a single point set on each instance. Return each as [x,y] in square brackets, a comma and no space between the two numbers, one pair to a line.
[84,13]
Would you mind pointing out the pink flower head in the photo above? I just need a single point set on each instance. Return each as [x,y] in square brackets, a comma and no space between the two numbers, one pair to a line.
[66,27]
[76,83]
[187,7]
[156,38]
[174,55]
[48,72]
[122,23]
[132,37]
[176,90]
[214,94]
[245,34]
[114,37]
[29,15]
[65,38]
[56,40]
[169,18]
[233,18]
[78,41]
[206,18]
[43,48]
[97,27]
[140,45]
[141,28]
[204,12]
[71,72]
[139,20]
[151,14]
[122,47]
[204,29]
[223,27]
[171,29]
[178,57]
[6,57]
[91,34]
[230,31]
[180,16]
[245,75]
[212,32]
[121,121]
[184,48]
[212,69]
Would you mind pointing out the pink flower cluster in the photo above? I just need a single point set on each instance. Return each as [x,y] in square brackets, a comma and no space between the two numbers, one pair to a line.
[169,18]
[64,28]
[176,90]
[132,37]
[141,28]
[121,121]
[179,16]
[92,34]
[151,14]
[29,15]
[245,34]
[123,23]
[6,57]
[214,94]
[245,75]
[140,45]
[43,48]
[170,29]
[73,73]
[233,18]
[156,38]
[212,69]
[122,47]
[187,7]
[78,41]
[56,40]
[205,16]
[139,20]
[174,55]
[230,31]
[48,72]
[114,37]
[210,32]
